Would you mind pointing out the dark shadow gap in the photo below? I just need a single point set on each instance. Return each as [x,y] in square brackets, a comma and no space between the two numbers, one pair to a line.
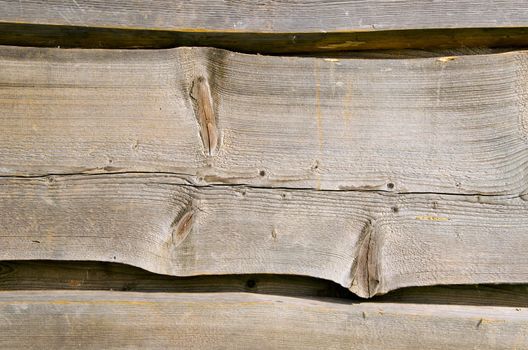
[264,43]
[512,295]
[88,275]
[85,275]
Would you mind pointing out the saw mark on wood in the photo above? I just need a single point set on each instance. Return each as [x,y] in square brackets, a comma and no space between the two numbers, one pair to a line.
[204,111]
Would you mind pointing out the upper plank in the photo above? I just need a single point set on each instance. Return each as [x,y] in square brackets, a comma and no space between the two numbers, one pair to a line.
[251,16]
[449,124]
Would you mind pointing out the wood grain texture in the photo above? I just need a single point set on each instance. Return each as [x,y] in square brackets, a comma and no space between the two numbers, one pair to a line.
[106,320]
[446,124]
[366,241]
[270,17]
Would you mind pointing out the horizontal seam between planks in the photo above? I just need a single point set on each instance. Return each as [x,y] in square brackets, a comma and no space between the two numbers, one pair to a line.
[188,183]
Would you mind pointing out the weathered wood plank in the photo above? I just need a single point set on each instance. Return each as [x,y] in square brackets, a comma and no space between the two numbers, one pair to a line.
[84,275]
[275,17]
[447,124]
[366,241]
[107,320]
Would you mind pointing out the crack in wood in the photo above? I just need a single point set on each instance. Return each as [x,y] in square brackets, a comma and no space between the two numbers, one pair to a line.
[187,180]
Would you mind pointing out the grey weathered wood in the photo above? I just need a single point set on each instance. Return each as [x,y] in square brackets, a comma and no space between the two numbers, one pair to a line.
[366,241]
[253,16]
[108,320]
[84,275]
[445,124]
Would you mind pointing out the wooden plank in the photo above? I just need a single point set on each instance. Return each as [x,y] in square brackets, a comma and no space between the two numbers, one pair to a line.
[280,17]
[107,320]
[366,241]
[447,124]
[85,275]
[91,275]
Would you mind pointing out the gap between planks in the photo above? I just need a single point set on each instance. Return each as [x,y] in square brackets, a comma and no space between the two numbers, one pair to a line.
[84,275]
[274,27]
[359,44]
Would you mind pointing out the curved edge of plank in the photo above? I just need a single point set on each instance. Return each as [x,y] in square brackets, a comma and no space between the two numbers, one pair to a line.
[54,319]
[89,275]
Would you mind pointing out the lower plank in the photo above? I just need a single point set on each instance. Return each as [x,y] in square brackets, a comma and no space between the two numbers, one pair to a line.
[108,320]
[368,242]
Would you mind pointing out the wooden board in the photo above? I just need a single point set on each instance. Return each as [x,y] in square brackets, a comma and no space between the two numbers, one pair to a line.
[106,320]
[276,17]
[366,241]
[446,124]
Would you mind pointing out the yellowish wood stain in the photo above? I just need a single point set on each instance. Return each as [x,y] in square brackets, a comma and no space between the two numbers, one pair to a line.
[431,218]
[447,59]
